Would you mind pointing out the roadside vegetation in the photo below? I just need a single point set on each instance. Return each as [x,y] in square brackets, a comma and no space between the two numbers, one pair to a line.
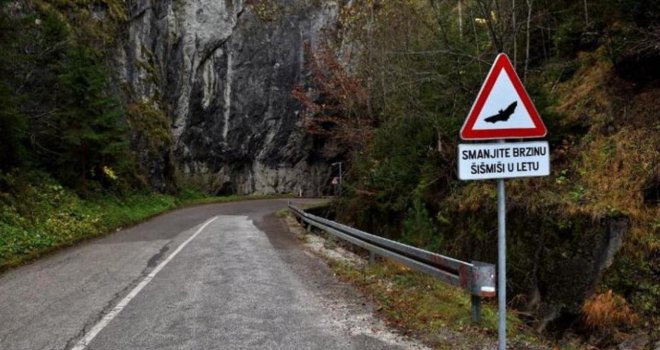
[67,171]
[587,233]
[430,310]
[415,304]
[39,215]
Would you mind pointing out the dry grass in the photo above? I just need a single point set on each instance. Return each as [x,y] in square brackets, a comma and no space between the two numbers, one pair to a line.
[608,311]
[435,312]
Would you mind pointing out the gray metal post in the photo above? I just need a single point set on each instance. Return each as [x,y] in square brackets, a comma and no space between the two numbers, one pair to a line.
[341,176]
[341,180]
[481,285]
[372,258]
[501,263]
[476,309]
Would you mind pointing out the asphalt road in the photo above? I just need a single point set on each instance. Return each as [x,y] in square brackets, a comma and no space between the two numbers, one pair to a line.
[222,276]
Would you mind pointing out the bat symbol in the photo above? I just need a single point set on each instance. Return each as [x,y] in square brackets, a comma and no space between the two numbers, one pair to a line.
[502,115]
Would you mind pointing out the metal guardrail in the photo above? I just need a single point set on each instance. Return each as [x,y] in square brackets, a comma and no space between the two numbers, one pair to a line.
[477,278]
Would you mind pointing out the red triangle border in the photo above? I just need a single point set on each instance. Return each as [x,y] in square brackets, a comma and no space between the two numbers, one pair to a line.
[502,62]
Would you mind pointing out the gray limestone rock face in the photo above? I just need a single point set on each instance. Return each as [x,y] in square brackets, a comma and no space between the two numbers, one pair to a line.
[223,71]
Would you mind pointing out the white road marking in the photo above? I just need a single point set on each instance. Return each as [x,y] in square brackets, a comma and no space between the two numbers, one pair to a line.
[89,336]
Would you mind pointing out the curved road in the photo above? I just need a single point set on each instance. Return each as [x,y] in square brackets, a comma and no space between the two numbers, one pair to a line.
[220,276]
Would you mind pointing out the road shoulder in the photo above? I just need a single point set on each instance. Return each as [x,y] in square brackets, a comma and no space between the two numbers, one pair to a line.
[350,310]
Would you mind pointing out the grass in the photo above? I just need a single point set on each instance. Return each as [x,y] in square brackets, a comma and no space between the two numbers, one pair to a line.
[608,311]
[429,309]
[38,217]
[420,305]
[282,213]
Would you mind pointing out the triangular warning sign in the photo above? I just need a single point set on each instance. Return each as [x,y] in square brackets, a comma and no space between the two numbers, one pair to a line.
[502,109]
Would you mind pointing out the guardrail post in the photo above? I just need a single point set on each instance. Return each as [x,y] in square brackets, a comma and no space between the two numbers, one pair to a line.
[476,309]
[372,258]
[482,285]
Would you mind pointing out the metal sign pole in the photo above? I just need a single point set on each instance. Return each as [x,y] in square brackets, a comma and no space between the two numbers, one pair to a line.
[501,263]
[502,161]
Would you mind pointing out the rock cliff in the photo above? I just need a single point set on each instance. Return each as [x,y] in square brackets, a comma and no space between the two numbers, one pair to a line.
[223,72]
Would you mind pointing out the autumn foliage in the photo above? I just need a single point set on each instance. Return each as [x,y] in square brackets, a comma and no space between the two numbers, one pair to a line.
[335,103]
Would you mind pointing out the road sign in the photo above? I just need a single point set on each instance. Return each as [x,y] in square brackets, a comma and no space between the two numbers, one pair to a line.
[503,108]
[503,160]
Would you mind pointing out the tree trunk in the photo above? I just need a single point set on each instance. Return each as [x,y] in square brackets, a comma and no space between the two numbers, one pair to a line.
[529,22]
[439,140]
[460,21]
[492,27]
[476,38]
[586,13]
[370,60]
[515,33]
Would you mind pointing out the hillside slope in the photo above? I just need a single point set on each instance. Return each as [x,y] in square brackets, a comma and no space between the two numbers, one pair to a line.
[583,242]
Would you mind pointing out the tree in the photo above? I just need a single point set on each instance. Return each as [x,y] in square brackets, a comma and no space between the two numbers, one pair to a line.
[12,127]
[12,122]
[335,102]
[89,132]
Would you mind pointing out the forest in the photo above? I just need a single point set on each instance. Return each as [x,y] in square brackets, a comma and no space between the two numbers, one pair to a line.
[395,84]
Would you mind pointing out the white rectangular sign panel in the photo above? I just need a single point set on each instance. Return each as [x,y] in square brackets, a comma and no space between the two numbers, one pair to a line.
[482,161]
